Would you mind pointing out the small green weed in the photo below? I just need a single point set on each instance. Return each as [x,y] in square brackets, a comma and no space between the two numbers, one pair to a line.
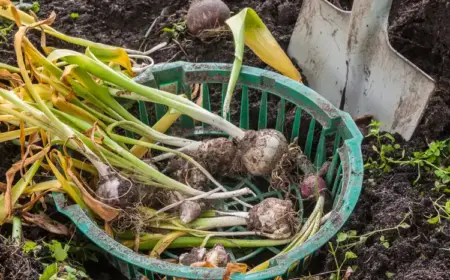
[57,271]
[58,252]
[442,210]
[74,15]
[389,275]
[176,30]
[63,252]
[434,160]
[35,7]
[384,242]
[63,260]
[347,256]
[383,150]
[351,239]
[346,241]
[5,29]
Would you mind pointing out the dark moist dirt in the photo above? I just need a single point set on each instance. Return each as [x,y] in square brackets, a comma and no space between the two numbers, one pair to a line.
[419,30]
[16,265]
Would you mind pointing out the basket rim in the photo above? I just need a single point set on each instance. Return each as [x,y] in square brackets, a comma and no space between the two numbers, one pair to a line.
[351,158]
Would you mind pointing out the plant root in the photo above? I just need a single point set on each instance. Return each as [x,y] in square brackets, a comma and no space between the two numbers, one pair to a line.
[284,173]
[130,219]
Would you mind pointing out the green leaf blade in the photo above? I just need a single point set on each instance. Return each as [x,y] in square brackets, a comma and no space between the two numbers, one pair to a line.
[350,255]
[341,237]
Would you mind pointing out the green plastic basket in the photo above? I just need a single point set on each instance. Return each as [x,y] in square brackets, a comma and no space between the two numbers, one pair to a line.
[325,133]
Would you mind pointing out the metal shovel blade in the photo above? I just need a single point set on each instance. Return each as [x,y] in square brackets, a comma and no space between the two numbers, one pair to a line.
[347,58]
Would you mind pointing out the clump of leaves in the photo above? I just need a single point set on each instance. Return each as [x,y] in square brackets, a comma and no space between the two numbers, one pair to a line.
[385,146]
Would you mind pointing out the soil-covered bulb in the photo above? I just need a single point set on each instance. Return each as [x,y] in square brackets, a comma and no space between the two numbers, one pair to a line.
[312,185]
[272,216]
[206,15]
[189,211]
[217,256]
[185,172]
[261,151]
[194,256]
[217,155]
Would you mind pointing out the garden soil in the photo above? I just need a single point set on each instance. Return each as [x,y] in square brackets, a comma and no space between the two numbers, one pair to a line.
[14,264]
[419,29]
